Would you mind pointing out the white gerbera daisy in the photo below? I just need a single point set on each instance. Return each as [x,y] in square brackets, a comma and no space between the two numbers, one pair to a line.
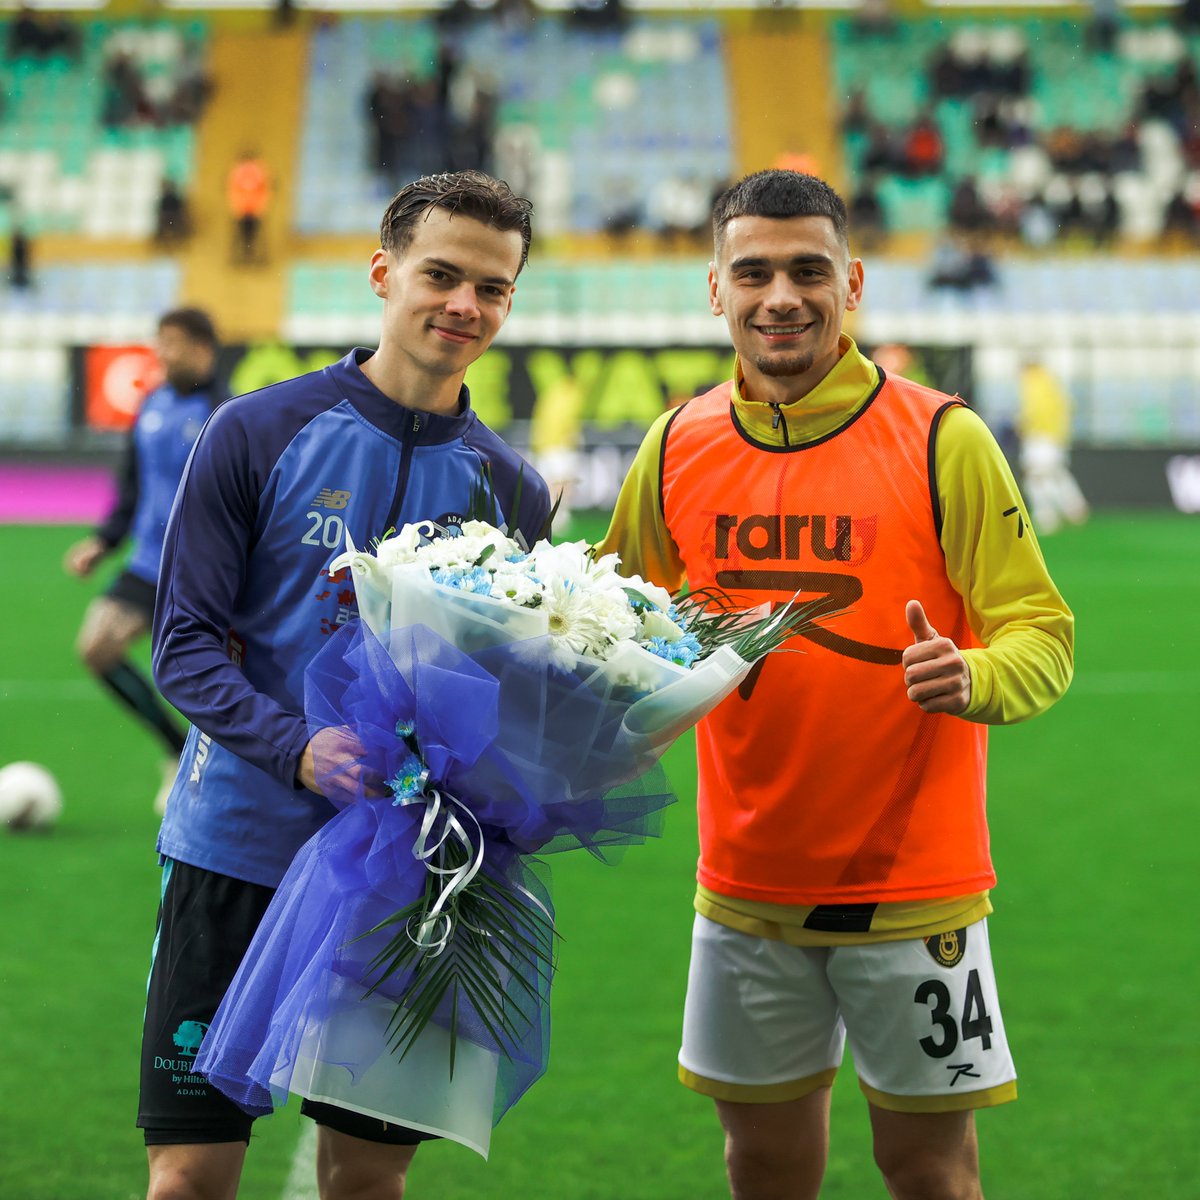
[515,585]
[575,623]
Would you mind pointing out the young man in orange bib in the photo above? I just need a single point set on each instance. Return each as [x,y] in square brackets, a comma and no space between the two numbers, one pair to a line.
[844,867]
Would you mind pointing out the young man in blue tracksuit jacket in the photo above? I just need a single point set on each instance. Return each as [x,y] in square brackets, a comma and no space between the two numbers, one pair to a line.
[167,424]
[275,482]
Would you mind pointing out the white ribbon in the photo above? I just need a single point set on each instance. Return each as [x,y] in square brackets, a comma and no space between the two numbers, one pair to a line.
[441,826]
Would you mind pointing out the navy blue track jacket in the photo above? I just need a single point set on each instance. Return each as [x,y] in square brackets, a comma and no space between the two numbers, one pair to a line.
[245,601]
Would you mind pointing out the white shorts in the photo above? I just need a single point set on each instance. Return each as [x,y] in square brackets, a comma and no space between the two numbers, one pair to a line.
[765,1021]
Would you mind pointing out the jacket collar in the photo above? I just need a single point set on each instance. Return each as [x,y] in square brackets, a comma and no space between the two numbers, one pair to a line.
[816,415]
[392,418]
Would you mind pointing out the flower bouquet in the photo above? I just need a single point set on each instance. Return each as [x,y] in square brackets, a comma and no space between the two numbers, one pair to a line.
[491,703]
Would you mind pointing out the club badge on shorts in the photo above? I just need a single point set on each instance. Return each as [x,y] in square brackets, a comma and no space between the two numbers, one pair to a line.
[947,949]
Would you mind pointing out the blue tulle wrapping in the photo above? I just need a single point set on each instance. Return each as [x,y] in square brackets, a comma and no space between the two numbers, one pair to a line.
[543,759]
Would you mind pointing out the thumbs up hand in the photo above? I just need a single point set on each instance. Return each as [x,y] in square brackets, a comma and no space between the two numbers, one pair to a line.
[935,673]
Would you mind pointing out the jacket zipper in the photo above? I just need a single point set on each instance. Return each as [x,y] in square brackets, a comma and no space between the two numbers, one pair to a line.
[775,422]
[406,453]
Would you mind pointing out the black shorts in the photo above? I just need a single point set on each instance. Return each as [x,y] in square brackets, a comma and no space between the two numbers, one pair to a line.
[134,591]
[205,924]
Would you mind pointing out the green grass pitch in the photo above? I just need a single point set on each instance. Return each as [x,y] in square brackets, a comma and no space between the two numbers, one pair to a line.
[1094,820]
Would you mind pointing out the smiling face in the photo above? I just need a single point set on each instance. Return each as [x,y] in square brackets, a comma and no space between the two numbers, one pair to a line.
[446,295]
[783,284]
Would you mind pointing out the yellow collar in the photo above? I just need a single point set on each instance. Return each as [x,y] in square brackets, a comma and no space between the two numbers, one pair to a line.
[819,413]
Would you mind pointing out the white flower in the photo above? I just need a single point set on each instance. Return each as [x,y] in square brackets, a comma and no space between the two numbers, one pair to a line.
[575,623]
[400,548]
[658,624]
[603,573]
[658,596]
[621,623]
[489,535]
[566,563]
[450,552]
[511,583]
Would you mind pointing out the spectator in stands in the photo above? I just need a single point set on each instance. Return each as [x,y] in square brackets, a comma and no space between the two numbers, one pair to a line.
[1001,121]
[124,94]
[960,266]
[1105,25]
[598,14]
[20,259]
[192,87]
[1126,150]
[1036,222]
[923,151]
[880,155]
[168,422]
[620,214]
[1181,217]
[867,215]
[947,77]
[248,193]
[471,103]
[679,208]
[39,35]
[1065,147]
[874,18]
[1099,212]
[1171,97]
[1011,74]
[856,116]
[967,212]
[427,146]
[456,14]
[379,103]
[173,221]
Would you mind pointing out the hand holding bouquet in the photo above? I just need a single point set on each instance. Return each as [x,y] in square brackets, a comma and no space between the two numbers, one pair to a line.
[492,702]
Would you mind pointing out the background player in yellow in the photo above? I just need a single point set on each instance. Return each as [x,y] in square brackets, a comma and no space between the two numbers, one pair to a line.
[844,869]
[1044,426]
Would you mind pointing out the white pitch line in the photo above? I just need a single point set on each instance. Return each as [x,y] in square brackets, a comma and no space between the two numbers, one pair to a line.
[302,1178]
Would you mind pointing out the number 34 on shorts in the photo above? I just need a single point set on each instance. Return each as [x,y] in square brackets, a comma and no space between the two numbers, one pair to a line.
[947,1034]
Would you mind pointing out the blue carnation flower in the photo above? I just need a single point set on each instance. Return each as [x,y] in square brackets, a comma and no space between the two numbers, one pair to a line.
[683,652]
[410,779]
[474,580]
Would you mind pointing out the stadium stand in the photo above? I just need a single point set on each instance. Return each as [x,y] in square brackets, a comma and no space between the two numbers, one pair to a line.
[591,121]
[1029,109]
[615,129]
[78,155]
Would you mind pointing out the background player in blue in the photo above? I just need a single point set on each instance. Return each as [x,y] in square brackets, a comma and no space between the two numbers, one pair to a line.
[160,441]
[276,480]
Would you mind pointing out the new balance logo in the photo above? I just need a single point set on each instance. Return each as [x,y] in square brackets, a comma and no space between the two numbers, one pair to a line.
[330,498]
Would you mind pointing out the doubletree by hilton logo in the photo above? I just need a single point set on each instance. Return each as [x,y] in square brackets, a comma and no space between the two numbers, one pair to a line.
[188,1037]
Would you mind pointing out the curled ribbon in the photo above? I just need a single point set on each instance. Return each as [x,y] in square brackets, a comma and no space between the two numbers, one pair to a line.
[441,826]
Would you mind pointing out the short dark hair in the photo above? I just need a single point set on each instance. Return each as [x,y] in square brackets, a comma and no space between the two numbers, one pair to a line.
[471,193]
[194,322]
[778,193]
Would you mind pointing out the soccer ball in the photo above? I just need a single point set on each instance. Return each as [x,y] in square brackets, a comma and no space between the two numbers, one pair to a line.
[30,797]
